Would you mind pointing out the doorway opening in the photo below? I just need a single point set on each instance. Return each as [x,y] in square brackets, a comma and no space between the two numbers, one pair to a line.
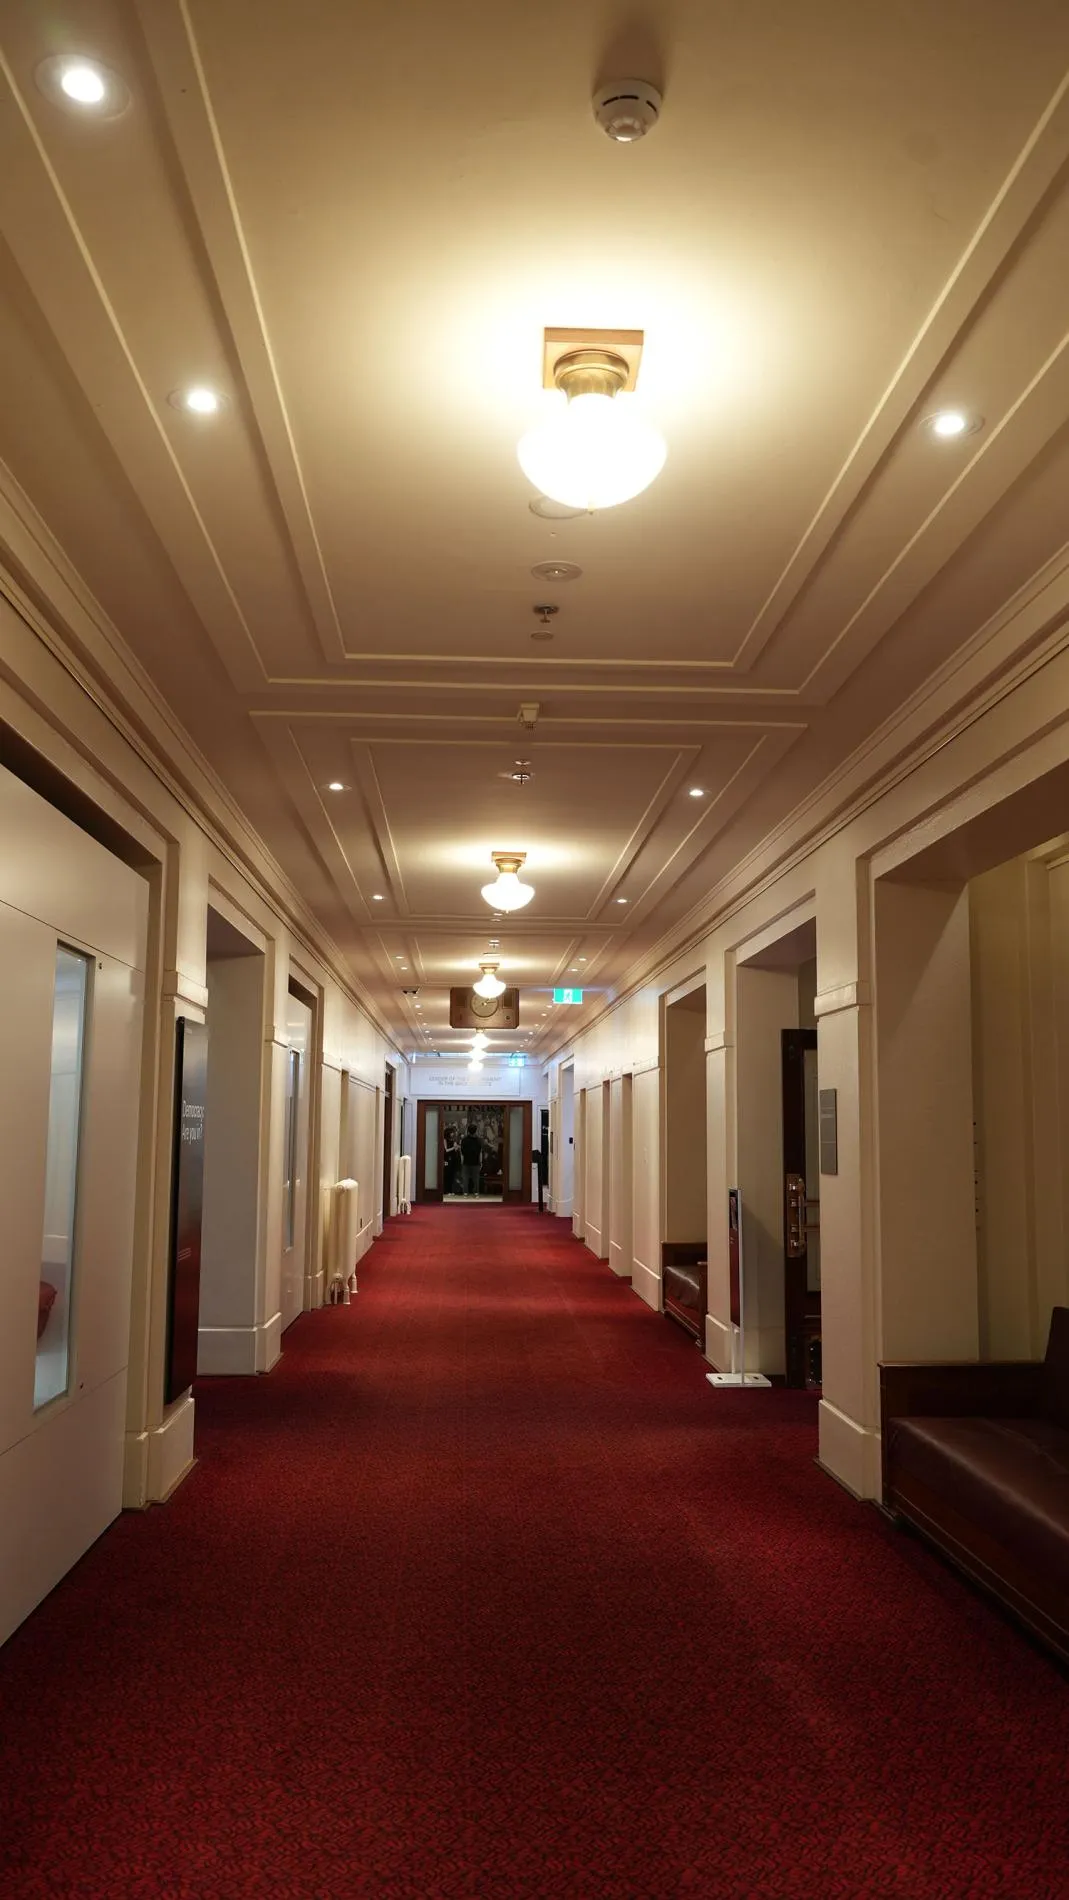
[389,1166]
[778,1168]
[562,1157]
[473,1153]
[230,1335]
[297,1130]
[684,1246]
[972,1076]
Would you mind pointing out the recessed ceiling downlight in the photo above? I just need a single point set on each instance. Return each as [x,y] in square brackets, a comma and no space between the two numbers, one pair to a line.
[80,84]
[948,424]
[197,399]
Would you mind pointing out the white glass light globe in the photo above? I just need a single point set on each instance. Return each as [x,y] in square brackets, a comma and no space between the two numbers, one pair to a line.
[489,985]
[507,893]
[479,1040]
[594,454]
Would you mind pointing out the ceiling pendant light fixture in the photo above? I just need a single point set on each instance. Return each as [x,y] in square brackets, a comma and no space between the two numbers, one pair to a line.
[479,1041]
[506,892]
[595,452]
[489,984]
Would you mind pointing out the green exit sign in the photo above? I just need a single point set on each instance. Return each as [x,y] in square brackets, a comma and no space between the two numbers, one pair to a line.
[567,996]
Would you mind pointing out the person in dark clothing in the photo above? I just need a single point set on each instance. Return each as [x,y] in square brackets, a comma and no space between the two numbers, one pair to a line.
[451,1159]
[471,1159]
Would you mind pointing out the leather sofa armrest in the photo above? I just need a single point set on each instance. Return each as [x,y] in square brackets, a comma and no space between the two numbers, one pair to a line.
[999,1389]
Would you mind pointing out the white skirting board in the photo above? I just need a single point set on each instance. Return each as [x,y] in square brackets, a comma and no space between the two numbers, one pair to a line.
[646,1284]
[156,1461]
[850,1452]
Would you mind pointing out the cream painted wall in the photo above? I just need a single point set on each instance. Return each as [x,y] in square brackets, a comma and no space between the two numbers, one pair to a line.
[359,1155]
[1019,919]
[645,1185]
[595,1169]
[767,1003]
[685,1148]
[129,761]
[928,1287]
[621,1174]
[231,1263]
[61,1464]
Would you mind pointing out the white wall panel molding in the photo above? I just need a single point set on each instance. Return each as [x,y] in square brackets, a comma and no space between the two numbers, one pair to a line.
[950,715]
[181,988]
[179,774]
[719,1040]
[846,996]
[782,925]
[238,917]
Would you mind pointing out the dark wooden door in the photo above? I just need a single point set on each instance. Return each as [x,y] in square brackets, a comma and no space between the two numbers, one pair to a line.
[801,1208]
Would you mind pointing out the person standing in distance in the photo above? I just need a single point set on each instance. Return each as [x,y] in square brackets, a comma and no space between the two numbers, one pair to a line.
[471,1158]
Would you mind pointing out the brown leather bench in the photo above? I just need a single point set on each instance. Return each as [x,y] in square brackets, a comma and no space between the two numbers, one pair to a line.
[684,1273]
[977,1458]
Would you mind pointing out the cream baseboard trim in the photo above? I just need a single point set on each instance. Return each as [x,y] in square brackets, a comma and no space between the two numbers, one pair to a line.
[646,1284]
[225,1351]
[269,1343]
[850,1452]
[156,1461]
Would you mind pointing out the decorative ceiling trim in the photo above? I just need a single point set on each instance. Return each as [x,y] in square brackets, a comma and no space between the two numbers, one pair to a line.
[171,41]
[1038,165]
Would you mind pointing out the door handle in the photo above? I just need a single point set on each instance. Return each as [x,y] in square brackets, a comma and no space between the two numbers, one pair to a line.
[799,1223]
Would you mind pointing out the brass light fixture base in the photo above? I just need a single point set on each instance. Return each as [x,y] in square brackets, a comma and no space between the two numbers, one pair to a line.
[508,860]
[590,373]
[561,348]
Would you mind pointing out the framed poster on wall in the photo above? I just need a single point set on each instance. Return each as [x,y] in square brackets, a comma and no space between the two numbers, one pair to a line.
[187,1200]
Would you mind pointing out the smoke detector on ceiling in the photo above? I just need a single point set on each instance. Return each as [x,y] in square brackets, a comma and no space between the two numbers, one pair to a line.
[627,109]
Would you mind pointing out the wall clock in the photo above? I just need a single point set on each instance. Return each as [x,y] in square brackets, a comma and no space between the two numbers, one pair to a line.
[468,1011]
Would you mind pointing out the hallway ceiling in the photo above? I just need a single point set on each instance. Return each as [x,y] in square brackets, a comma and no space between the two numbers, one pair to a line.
[356,222]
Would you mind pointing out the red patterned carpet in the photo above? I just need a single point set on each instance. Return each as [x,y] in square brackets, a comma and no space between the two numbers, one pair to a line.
[484,1592]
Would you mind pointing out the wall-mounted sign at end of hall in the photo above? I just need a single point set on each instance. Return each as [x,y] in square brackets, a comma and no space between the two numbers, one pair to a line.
[567,996]
[517,1061]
